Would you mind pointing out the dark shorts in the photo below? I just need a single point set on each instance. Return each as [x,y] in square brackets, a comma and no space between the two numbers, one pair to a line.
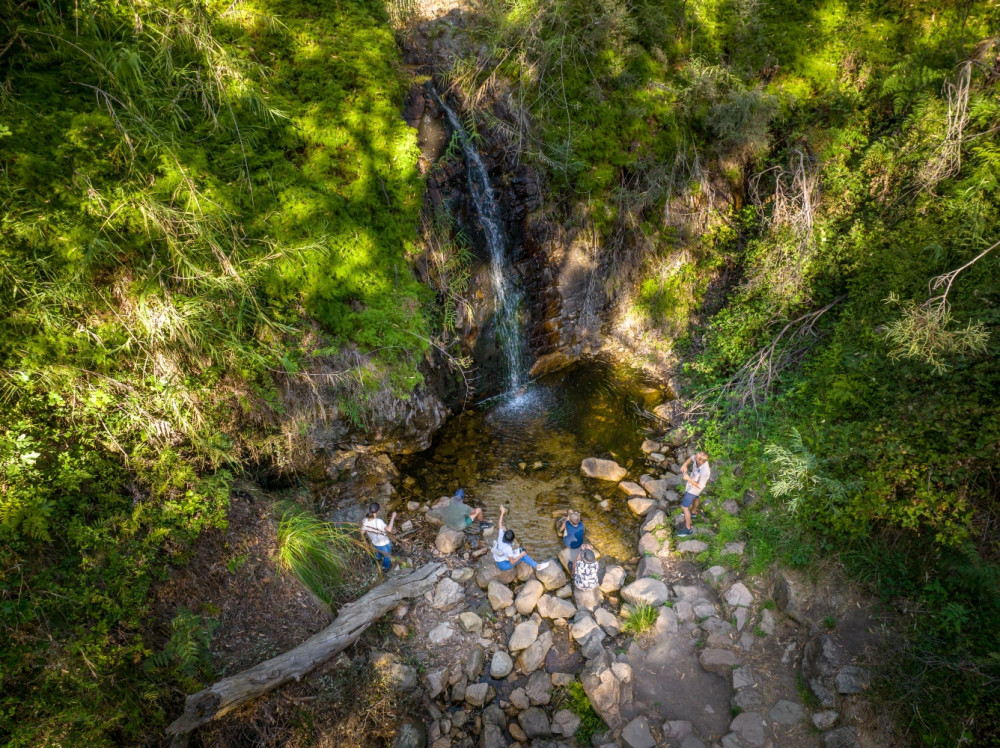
[688,499]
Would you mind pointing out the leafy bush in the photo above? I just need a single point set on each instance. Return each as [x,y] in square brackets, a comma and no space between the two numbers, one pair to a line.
[576,701]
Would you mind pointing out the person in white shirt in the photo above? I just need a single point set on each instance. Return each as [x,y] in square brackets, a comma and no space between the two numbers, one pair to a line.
[378,534]
[503,549]
[694,483]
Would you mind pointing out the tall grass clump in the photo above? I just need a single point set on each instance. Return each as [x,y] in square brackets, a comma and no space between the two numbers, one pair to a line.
[314,551]
[641,617]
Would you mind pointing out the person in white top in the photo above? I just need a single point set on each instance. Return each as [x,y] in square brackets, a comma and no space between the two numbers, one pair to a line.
[503,549]
[378,534]
[694,484]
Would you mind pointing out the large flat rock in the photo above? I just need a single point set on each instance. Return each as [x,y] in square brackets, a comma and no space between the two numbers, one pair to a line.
[610,470]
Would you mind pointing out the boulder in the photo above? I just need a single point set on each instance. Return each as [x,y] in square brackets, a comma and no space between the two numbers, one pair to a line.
[842,737]
[731,507]
[692,546]
[738,595]
[470,622]
[641,506]
[532,658]
[592,645]
[448,540]
[743,678]
[825,720]
[409,734]
[657,489]
[650,566]
[492,737]
[447,593]
[647,590]
[487,572]
[501,665]
[607,621]
[787,713]
[612,579]
[475,661]
[607,692]
[500,595]
[852,679]
[435,681]
[440,633]
[603,469]
[477,694]
[539,688]
[649,446]
[534,723]
[528,596]
[524,635]
[582,627]
[790,596]
[714,574]
[654,521]
[676,729]
[631,489]
[664,411]
[552,576]
[718,661]
[565,723]
[636,734]
[588,599]
[519,699]
[750,727]
[555,607]
[463,574]
[677,437]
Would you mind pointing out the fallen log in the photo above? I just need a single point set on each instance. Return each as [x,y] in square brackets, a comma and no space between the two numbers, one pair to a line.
[353,619]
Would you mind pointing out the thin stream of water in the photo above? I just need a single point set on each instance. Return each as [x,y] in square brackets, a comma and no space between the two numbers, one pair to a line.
[507,295]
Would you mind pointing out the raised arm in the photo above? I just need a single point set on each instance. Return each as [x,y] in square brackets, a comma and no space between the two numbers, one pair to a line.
[503,511]
[392,522]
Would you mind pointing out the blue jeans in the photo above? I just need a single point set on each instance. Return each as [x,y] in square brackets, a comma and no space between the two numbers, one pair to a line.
[506,565]
[382,555]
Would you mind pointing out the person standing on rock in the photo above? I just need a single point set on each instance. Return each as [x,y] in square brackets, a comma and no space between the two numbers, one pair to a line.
[460,515]
[571,528]
[694,483]
[585,576]
[378,534]
[503,549]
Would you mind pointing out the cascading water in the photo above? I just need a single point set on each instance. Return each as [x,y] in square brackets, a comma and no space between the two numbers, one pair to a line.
[506,294]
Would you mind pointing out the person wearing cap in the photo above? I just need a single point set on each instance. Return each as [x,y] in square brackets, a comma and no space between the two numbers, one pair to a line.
[378,534]
[571,527]
[585,575]
[460,515]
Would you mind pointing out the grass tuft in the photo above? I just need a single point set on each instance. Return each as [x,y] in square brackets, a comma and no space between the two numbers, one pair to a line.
[316,552]
[639,618]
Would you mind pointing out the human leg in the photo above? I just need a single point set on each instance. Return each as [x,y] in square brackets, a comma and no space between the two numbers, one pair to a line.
[686,503]
[382,553]
[476,515]
[528,560]
[504,565]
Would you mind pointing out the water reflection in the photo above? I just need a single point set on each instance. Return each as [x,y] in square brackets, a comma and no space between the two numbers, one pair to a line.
[525,452]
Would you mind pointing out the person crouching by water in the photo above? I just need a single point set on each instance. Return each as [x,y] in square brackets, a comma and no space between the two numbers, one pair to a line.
[585,576]
[503,549]
[571,528]
[378,534]
[460,515]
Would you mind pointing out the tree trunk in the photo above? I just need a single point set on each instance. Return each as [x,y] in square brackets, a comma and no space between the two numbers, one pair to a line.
[353,619]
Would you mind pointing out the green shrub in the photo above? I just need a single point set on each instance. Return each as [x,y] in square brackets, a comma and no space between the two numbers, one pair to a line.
[576,701]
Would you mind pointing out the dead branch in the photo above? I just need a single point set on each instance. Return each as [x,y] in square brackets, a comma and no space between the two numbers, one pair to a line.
[231,692]
[947,159]
[752,383]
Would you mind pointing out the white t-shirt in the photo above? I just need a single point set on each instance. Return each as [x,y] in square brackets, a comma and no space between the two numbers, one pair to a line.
[375,528]
[700,474]
[502,551]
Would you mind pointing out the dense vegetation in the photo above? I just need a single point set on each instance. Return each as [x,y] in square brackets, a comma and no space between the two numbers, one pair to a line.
[778,188]
[200,202]
[205,204]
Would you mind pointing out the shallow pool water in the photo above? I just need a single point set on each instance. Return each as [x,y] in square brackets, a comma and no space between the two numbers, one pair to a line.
[524,451]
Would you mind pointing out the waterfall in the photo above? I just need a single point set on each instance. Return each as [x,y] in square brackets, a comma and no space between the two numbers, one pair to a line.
[506,294]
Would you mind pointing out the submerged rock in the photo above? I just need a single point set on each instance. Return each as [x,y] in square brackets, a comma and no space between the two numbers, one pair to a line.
[603,469]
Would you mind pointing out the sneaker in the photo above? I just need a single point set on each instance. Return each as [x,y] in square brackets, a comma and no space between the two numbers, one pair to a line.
[684,533]
[542,566]
[485,525]
[694,515]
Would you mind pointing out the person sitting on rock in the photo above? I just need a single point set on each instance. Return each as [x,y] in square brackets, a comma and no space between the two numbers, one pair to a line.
[378,534]
[503,549]
[571,528]
[585,576]
[460,515]
[694,484]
